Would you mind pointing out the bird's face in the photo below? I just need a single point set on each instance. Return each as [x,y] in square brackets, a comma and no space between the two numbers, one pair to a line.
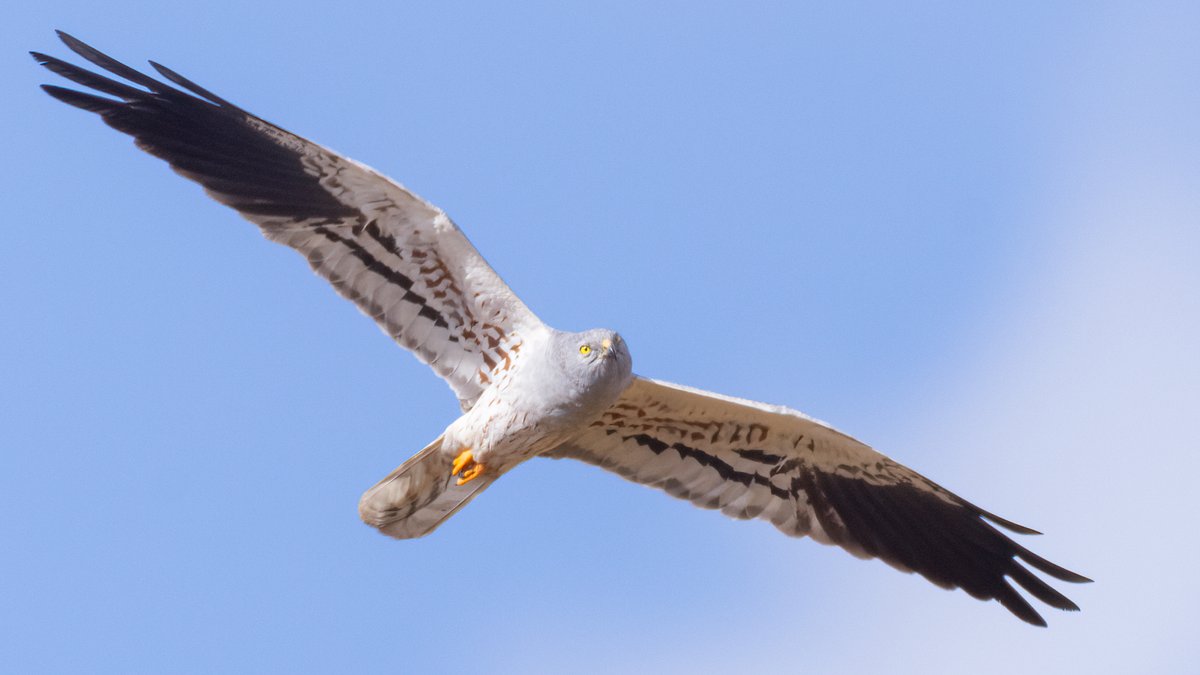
[597,358]
[602,348]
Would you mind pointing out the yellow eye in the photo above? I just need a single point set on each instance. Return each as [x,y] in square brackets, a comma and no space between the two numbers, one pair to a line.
[585,349]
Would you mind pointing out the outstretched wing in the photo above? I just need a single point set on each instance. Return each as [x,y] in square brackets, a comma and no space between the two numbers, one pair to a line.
[397,257]
[753,460]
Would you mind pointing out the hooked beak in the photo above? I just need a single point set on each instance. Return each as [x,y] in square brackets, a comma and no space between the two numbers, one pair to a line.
[606,344]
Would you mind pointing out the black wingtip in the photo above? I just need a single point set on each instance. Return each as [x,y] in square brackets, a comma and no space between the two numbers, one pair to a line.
[1041,590]
[99,58]
[1002,522]
[1019,606]
[70,40]
[1057,571]
[79,99]
[196,89]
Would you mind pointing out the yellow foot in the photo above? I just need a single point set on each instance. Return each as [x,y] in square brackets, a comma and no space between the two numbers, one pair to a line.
[466,465]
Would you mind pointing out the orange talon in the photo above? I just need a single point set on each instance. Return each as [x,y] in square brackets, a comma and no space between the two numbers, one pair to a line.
[463,459]
[471,473]
[465,464]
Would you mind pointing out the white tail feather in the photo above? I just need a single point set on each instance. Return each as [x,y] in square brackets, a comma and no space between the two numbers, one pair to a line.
[417,497]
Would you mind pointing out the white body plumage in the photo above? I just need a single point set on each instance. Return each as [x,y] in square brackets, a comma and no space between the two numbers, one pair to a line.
[552,389]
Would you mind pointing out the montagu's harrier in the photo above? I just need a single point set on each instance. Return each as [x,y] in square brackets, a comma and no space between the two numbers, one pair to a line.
[529,390]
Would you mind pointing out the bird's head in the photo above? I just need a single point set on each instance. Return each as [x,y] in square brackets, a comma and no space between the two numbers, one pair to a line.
[598,358]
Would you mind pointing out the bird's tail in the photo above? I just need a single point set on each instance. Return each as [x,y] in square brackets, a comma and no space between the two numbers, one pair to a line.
[419,495]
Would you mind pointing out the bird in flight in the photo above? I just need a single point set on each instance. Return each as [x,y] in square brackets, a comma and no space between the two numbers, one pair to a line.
[528,390]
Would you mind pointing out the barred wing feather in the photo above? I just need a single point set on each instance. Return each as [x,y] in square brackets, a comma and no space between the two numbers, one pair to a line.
[754,460]
[398,258]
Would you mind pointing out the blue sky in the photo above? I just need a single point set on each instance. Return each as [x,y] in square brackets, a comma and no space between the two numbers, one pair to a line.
[970,237]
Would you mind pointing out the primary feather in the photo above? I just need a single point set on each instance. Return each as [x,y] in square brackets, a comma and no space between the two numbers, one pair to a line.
[754,460]
[397,257]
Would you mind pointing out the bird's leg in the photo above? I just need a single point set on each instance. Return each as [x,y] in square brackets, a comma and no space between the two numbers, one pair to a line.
[466,465]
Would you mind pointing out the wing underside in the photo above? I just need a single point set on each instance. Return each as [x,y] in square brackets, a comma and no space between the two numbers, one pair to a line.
[398,258]
[752,460]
